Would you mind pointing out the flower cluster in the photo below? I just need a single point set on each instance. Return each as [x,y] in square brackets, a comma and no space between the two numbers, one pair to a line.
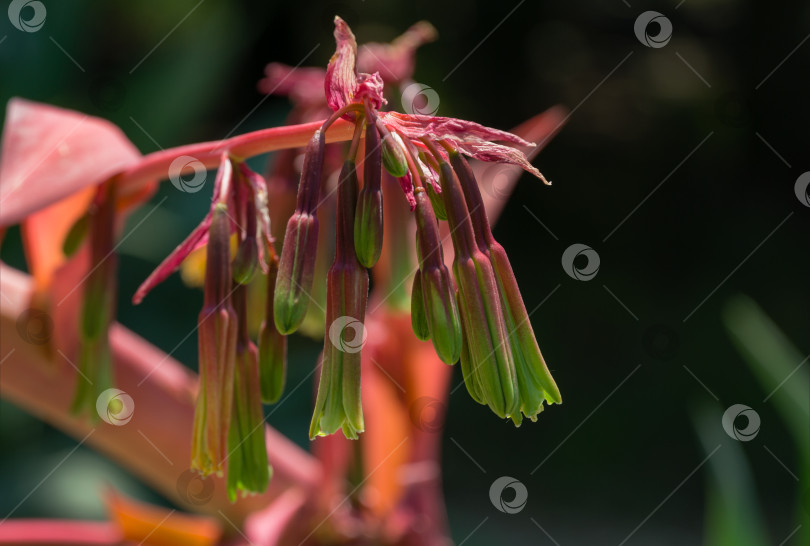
[474,315]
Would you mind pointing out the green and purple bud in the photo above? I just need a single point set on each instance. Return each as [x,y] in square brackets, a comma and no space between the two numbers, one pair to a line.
[536,385]
[438,292]
[485,332]
[418,318]
[297,264]
[248,469]
[217,332]
[338,404]
[368,223]
[471,380]
[98,306]
[247,251]
[393,155]
[435,196]
[272,344]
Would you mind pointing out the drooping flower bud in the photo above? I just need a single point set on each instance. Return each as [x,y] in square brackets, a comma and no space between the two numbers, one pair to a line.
[368,223]
[247,251]
[272,345]
[535,382]
[393,156]
[435,196]
[438,292]
[98,306]
[338,404]
[418,318]
[295,270]
[217,333]
[485,331]
[248,469]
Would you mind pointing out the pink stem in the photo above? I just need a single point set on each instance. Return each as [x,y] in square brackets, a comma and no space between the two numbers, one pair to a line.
[156,165]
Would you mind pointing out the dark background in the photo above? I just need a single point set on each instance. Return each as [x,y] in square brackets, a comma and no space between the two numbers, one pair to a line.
[632,126]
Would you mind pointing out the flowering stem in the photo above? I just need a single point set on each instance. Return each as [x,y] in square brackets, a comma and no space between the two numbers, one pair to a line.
[156,165]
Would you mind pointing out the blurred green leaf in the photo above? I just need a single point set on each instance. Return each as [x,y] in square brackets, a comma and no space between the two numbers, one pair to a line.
[733,512]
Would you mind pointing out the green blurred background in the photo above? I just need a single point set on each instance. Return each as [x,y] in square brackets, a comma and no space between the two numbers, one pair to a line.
[638,136]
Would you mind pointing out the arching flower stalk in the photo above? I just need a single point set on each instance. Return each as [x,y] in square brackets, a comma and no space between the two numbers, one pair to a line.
[475,315]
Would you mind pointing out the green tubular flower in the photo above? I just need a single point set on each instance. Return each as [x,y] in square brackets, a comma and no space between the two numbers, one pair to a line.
[338,404]
[217,350]
[471,380]
[535,382]
[368,223]
[485,332]
[438,292]
[418,318]
[298,254]
[393,156]
[248,469]
[272,345]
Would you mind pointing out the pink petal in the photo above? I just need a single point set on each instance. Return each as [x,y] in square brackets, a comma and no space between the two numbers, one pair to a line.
[49,153]
[470,138]
[438,127]
[304,86]
[407,186]
[395,61]
[341,76]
